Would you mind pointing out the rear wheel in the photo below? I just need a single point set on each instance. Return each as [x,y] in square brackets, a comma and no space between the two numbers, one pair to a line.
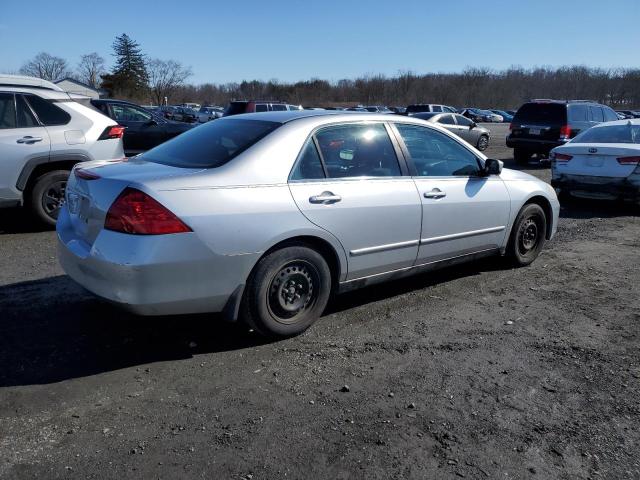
[483,143]
[528,235]
[521,156]
[47,196]
[287,292]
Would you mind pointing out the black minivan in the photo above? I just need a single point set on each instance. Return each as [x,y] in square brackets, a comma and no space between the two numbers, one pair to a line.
[541,125]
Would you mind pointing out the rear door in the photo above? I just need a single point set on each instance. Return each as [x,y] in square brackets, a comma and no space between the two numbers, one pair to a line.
[348,180]
[462,212]
[22,139]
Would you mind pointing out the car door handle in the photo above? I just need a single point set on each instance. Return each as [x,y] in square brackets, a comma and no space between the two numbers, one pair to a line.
[29,139]
[325,198]
[435,193]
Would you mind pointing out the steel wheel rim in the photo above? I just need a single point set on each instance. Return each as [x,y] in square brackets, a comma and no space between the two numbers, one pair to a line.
[483,143]
[529,235]
[293,290]
[53,198]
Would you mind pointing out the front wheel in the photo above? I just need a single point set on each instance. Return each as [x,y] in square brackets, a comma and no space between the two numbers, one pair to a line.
[528,235]
[287,292]
[483,143]
[47,196]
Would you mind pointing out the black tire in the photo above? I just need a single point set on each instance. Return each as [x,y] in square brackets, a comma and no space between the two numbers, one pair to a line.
[483,143]
[47,196]
[521,156]
[287,292]
[528,235]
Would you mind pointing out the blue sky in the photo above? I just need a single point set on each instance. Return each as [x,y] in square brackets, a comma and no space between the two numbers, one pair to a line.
[295,40]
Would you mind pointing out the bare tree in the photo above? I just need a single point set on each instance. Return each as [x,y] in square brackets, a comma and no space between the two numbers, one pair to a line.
[46,66]
[165,76]
[90,68]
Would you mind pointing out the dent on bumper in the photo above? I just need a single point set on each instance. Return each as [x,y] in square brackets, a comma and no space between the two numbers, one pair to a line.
[154,275]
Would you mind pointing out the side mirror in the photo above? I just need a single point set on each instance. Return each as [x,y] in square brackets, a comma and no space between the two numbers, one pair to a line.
[492,167]
[151,122]
[473,125]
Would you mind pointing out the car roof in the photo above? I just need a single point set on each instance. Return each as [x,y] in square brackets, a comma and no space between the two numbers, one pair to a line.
[284,116]
[28,82]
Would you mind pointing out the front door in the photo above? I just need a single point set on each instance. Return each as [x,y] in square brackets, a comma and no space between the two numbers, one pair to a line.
[348,181]
[143,132]
[21,139]
[463,211]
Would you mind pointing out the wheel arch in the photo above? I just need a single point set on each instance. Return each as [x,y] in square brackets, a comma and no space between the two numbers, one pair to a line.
[543,203]
[40,165]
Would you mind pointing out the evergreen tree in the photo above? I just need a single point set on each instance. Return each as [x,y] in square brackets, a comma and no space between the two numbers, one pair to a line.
[129,75]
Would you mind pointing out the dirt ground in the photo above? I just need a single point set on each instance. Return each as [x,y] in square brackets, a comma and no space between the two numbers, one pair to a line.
[480,371]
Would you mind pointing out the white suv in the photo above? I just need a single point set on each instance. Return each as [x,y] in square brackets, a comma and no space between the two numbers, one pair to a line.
[43,133]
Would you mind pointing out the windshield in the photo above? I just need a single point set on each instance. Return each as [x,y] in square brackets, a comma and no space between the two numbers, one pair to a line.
[610,134]
[211,145]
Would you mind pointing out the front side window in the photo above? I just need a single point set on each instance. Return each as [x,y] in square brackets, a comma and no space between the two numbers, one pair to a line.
[435,154]
[278,108]
[358,150]
[210,145]
[48,113]
[436,108]
[261,107]
[7,111]
[609,114]
[464,121]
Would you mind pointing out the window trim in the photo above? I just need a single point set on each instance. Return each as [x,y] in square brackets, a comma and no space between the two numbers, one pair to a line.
[451,136]
[402,161]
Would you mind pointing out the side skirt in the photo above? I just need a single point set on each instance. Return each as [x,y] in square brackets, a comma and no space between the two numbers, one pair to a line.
[415,270]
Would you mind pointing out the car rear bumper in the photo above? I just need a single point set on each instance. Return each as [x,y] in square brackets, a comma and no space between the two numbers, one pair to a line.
[532,144]
[152,274]
[598,187]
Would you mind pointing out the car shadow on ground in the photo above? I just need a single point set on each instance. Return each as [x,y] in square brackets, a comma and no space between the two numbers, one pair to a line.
[18,220]
[583,208]
[53,330]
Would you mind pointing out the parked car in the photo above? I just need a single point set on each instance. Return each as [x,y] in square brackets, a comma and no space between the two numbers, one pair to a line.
[541,125]
[492,117]
[206,114]
[428,107]
[506,117]
[185,114]
[43,133]
[511,112]
[176,230]
[602,162]
[377,109]
[629,113]
[398,110]
[357,109]
[468,130]
[475,115]
[144,130]
[249,106]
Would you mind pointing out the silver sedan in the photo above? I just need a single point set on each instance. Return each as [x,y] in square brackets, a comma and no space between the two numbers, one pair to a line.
[465,128]
[263,216]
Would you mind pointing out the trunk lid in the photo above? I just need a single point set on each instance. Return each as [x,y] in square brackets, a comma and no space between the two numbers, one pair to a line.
[89,199]
[597,160]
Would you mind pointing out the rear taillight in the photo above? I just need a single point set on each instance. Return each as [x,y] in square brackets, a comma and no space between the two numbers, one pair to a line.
[565,132]
[561,157]
[137,213]
[114,131]
[85,174]
[511,126]
[628,160]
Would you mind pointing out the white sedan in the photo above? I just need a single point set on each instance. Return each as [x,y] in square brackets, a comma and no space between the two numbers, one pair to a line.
[603,162]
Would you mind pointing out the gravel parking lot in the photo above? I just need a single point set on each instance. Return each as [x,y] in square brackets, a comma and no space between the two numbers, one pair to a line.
[480,371]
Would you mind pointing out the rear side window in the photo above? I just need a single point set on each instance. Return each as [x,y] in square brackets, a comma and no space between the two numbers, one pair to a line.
[436,108]
[578,113]
[278,107]
[446,120]
[24,115]
[261,107]
[464,121]
[358,150]
[542,114]
[610,134]
[48,113]
[7,111]
[596,114]
[210,145]
[309,166]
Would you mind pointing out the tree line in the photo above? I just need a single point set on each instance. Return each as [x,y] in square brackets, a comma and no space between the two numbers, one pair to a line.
[134,76]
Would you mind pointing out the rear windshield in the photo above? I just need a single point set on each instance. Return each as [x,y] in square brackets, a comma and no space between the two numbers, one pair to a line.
[210,145]
[235,108]
[610,134]
[542,114]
